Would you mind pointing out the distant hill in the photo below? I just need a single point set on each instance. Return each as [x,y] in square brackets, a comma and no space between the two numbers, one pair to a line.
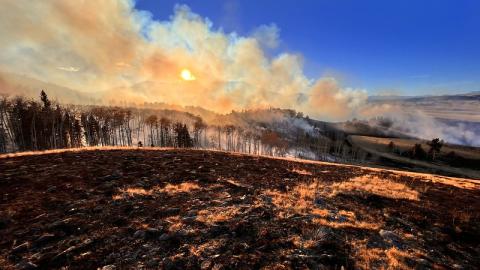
[460,107]
[13,84]
[475,95]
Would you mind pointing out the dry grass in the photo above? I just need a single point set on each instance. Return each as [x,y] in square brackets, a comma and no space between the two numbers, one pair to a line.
[217,214]
[175,223]
[183,187]
[299,200]
[310,237]
[208,248]
[371,184]
[377,258]
[131,192]
[350,223]
[301,171]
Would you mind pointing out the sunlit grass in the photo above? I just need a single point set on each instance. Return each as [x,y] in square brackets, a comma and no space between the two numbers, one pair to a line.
[131,192]
[371,184]
[217,214]
[183,187]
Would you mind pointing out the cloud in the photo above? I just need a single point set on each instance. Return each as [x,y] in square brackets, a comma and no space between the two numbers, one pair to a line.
[69,69]
[267,35]
[110,47]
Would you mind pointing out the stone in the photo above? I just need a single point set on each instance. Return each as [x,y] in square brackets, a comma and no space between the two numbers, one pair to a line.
[391,238]
[218,266]
[189,219]
[152,233]
[139,234]
[26,265]
[164,237]
[108,267]
[207,264]
[191,213]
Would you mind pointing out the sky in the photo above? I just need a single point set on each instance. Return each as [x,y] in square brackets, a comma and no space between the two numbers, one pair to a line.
[406,47]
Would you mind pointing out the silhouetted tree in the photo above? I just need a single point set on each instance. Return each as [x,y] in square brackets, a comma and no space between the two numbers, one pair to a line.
[435,146]
[418,152]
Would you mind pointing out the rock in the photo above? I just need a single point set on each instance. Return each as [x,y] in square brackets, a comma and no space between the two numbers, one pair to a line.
[152,233]
[139,234]
[218,266]
[189,219]
[392,238]
[164,237]
[108,267]
[191,213]
[21,248]
[26,265]
[337,218]
[320,202]
[207,264]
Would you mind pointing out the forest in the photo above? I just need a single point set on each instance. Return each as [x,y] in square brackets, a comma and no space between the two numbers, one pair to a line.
[33,125]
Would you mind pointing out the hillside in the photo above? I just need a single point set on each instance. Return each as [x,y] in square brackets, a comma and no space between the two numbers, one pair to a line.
[177,209]
[464,161]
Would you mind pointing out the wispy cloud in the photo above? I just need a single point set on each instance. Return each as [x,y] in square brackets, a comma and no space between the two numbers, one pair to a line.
[69,69]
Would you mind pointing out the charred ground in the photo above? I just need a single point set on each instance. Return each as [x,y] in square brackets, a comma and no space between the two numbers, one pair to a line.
[178,209]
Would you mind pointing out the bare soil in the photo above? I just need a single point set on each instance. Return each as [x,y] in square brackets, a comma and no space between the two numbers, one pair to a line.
[189,209]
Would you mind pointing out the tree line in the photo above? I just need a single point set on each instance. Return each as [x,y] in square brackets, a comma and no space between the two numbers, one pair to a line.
[31,125]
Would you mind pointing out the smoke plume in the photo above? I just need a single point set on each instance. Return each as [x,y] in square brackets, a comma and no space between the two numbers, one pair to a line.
[109,47]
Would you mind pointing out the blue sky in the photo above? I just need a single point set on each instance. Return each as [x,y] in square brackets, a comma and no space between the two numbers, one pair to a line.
[407,47]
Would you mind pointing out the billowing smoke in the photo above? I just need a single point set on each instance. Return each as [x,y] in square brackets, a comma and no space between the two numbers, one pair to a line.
[109,47]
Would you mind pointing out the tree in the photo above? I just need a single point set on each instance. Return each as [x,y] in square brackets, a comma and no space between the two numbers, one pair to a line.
[152,121]
[198,127]
[435,146]
[391,146]
[418,152]
[45,100]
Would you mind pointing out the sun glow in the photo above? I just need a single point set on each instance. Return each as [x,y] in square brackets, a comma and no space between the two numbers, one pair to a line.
[186,75]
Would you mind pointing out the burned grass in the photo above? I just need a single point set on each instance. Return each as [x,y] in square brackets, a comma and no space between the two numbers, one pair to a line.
[186,209]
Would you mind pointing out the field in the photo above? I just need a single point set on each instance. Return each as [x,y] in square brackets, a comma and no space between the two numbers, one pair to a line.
[192,209]
[379,147]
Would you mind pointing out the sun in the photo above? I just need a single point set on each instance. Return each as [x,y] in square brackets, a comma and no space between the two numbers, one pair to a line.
[186,75]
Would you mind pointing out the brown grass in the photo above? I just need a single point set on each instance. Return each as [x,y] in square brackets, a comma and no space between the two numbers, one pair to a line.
[131,192]
[217,214]
[377,258]
[183,187]
[371,184]
[301,171]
